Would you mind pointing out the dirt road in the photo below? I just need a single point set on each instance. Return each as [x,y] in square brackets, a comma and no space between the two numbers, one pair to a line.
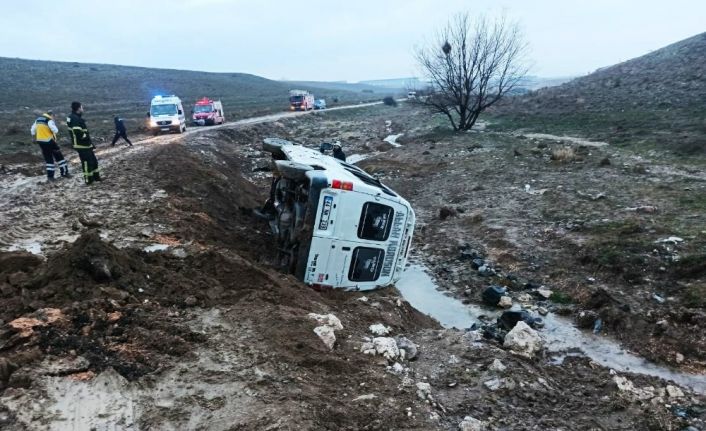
[40,222]
[202,332]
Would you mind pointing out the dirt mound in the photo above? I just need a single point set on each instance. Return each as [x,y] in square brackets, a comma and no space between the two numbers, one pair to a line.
[91,269]
[93,288]
[17,261]
[88,269]
[210,200]
[125,309]
[115,304]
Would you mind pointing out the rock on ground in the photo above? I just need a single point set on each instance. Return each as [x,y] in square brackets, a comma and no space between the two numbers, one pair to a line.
[493,384]
[408,350]
[470,423]
[497,365]
[544,293]
[327,335]
[384,346]
[523,340]
[328,324]
[505,302]
[674,392]
[328,320]
[387,347]
[423,390]
[379,329]
[627,387]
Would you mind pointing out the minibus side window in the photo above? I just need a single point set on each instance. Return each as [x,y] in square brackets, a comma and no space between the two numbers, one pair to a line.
[366,264]
[375,222]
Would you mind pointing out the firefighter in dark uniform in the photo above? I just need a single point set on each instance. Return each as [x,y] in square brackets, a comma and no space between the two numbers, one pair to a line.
[82,143]
[44,131]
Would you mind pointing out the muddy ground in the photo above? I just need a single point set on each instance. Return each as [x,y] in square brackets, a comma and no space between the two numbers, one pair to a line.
[149,301]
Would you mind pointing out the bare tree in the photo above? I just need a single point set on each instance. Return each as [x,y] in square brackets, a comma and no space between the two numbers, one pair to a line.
[471,65]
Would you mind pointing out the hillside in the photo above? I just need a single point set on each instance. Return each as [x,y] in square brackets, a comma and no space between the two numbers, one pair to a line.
[654,98]
[105,90]
[532,83]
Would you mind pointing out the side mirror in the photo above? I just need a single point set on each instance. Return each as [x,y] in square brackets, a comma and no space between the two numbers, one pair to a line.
[148,114]
[181,112]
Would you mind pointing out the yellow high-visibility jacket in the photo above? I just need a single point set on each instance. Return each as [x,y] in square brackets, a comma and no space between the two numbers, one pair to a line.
[44,129]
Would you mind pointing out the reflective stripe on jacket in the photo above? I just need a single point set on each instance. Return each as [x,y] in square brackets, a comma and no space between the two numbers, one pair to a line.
[79,132]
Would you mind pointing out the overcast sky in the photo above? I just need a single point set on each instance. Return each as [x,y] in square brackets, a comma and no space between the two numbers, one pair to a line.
[331,40]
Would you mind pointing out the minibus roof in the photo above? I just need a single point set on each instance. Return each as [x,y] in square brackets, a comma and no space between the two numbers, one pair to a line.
[335,169]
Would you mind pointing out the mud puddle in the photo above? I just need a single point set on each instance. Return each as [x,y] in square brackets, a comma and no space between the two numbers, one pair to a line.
[104,403]
[155,247]
[31,246]
[392,139]
[418,288]
[355,158]
[561,337]
[208,389]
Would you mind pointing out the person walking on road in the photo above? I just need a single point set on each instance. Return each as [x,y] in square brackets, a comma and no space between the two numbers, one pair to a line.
[120,132]
[82,143]
[44,132]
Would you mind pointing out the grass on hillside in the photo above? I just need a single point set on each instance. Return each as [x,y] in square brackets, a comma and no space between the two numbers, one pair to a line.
[28,87]
[680,132]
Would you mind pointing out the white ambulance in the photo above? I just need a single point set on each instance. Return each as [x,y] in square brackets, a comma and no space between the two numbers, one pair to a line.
[166,114]
[336,226]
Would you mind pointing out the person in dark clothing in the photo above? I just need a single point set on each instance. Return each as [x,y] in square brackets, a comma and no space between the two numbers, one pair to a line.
[120,132]
[82,143]
[44,132]
[338,152]
[336,147]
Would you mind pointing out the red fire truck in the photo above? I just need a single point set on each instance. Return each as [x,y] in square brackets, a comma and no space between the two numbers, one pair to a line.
[301,100]
[207,111]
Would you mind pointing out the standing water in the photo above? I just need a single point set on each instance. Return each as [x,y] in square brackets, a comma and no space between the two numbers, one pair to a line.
[559,334]
[355,158]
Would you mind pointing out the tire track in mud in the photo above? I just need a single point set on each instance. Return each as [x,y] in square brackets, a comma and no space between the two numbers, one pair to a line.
[40,217]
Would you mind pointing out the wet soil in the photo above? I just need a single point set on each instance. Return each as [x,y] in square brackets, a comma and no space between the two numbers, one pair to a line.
[591,231]
[206,333]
